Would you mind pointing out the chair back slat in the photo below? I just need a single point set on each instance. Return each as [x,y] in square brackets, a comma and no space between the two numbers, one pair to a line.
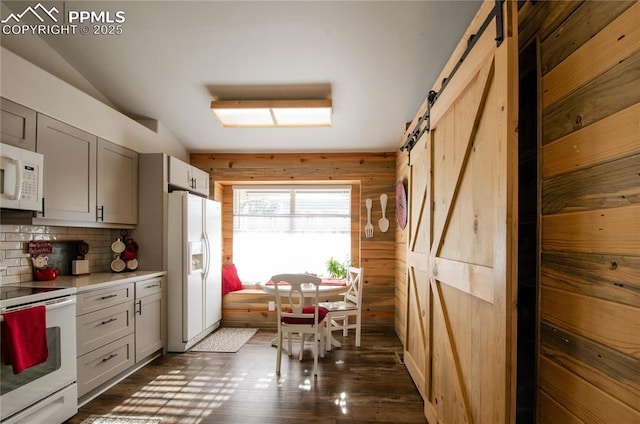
[294,296]
[355,285]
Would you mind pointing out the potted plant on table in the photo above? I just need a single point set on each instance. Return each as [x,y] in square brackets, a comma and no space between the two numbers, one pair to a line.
[337,269]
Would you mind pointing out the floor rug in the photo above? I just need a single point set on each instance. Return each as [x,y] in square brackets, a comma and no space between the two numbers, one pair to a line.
[225,340]
[97,419]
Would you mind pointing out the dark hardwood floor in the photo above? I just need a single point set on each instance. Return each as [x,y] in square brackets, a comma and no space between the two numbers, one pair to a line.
[366,384]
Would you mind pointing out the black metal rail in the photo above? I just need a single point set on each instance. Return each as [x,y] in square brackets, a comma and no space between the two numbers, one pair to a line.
[432,97]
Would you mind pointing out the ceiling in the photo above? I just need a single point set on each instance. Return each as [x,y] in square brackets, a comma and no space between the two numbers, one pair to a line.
[375,60]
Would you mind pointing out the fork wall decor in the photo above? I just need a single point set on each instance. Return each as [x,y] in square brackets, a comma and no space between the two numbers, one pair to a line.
[368,228]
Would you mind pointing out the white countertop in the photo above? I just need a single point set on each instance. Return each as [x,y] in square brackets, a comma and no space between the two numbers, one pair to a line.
[93,281]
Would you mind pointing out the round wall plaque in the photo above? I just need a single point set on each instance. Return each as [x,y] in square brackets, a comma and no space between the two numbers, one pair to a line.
[401,204]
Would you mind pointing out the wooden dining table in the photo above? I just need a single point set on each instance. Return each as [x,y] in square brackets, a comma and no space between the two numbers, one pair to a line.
[329,288]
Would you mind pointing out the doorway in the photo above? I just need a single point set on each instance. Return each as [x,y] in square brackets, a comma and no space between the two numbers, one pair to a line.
[527,234]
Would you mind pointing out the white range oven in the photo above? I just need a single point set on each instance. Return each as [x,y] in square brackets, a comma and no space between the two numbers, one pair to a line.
[47,392]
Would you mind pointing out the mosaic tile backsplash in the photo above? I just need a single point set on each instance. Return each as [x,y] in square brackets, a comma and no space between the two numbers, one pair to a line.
[14,241]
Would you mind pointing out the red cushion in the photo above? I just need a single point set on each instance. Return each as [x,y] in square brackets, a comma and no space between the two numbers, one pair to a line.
[322,312]
[230,280]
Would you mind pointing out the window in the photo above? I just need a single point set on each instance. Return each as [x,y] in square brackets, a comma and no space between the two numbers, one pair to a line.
[280,229]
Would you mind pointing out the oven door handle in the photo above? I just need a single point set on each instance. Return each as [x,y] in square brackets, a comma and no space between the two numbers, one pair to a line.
[50,305]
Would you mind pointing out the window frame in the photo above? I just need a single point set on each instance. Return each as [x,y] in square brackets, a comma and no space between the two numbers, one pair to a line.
[354,210]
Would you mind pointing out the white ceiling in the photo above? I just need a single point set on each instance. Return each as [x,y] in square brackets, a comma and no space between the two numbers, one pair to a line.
[376,59]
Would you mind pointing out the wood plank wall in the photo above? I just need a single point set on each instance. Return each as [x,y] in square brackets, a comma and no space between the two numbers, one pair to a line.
[589,313]
[370,174]
[402,238]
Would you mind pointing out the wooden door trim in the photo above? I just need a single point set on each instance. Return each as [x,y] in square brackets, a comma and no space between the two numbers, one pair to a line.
[451,347]
[475,280]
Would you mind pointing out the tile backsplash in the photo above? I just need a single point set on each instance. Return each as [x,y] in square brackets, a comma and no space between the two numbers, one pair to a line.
[14,242]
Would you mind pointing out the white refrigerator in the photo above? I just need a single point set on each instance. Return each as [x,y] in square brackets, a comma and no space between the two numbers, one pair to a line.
[194,269]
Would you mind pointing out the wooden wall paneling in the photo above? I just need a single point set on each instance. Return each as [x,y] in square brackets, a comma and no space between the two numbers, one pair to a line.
[607,368]
[227,224]
[606,322]
[369,174]
[605,276]
[579,28]
[612,137]
[613,231]
[614,43]
[615,183]
[589,360]
[613,91]
[541,19]
[550,411]
[585,401]
[217,192]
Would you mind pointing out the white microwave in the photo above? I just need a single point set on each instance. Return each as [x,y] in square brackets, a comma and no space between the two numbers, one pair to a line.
[21,178]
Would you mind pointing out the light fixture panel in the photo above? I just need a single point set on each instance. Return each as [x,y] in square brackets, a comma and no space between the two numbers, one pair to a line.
[303,117]
[244,117]
[273,113]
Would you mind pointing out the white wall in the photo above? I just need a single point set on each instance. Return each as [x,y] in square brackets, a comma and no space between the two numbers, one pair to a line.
[28,85]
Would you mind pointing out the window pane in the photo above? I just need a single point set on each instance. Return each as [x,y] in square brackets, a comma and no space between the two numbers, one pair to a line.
[289,229]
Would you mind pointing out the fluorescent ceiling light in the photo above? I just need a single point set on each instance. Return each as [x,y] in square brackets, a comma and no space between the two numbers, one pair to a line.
[273,113]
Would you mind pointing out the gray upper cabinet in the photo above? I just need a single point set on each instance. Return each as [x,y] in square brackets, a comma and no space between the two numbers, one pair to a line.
[87,181]
[117,184]
[188,177]
[200,181]
[18,125]
[69,170]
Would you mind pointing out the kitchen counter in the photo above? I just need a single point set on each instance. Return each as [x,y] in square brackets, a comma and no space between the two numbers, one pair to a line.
[96,280]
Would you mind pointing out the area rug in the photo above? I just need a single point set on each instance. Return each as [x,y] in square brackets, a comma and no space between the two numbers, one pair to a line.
[225,340]
[98,419]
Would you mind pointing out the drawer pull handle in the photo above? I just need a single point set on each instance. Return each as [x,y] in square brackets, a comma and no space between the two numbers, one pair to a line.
[108,321]
[151,286]
[110,357]
[108,297]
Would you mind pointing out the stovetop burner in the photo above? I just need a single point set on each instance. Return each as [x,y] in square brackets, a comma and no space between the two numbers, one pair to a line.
[14,295]
[10,292]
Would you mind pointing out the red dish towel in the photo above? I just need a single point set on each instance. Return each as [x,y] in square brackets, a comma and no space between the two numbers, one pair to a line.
[24,338]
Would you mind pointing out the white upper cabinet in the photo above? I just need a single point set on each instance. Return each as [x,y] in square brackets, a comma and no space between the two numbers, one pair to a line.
[188,177]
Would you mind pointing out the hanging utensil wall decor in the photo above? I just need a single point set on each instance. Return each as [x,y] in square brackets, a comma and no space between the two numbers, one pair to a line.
[383,222]
[368,228]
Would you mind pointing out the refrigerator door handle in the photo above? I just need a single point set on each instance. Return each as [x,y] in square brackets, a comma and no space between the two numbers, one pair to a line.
[207,251]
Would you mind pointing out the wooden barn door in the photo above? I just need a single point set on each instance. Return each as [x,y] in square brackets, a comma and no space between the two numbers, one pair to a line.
[463,238]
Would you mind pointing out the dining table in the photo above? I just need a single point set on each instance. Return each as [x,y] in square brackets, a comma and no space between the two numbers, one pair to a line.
[329,289]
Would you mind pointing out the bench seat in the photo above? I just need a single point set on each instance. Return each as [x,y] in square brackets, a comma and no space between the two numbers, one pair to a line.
[248,307]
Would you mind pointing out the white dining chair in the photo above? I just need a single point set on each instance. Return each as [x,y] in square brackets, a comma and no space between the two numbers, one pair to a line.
[339,313]
[297,317]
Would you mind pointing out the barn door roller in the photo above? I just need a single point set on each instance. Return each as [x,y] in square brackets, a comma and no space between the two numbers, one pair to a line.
[419,130]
